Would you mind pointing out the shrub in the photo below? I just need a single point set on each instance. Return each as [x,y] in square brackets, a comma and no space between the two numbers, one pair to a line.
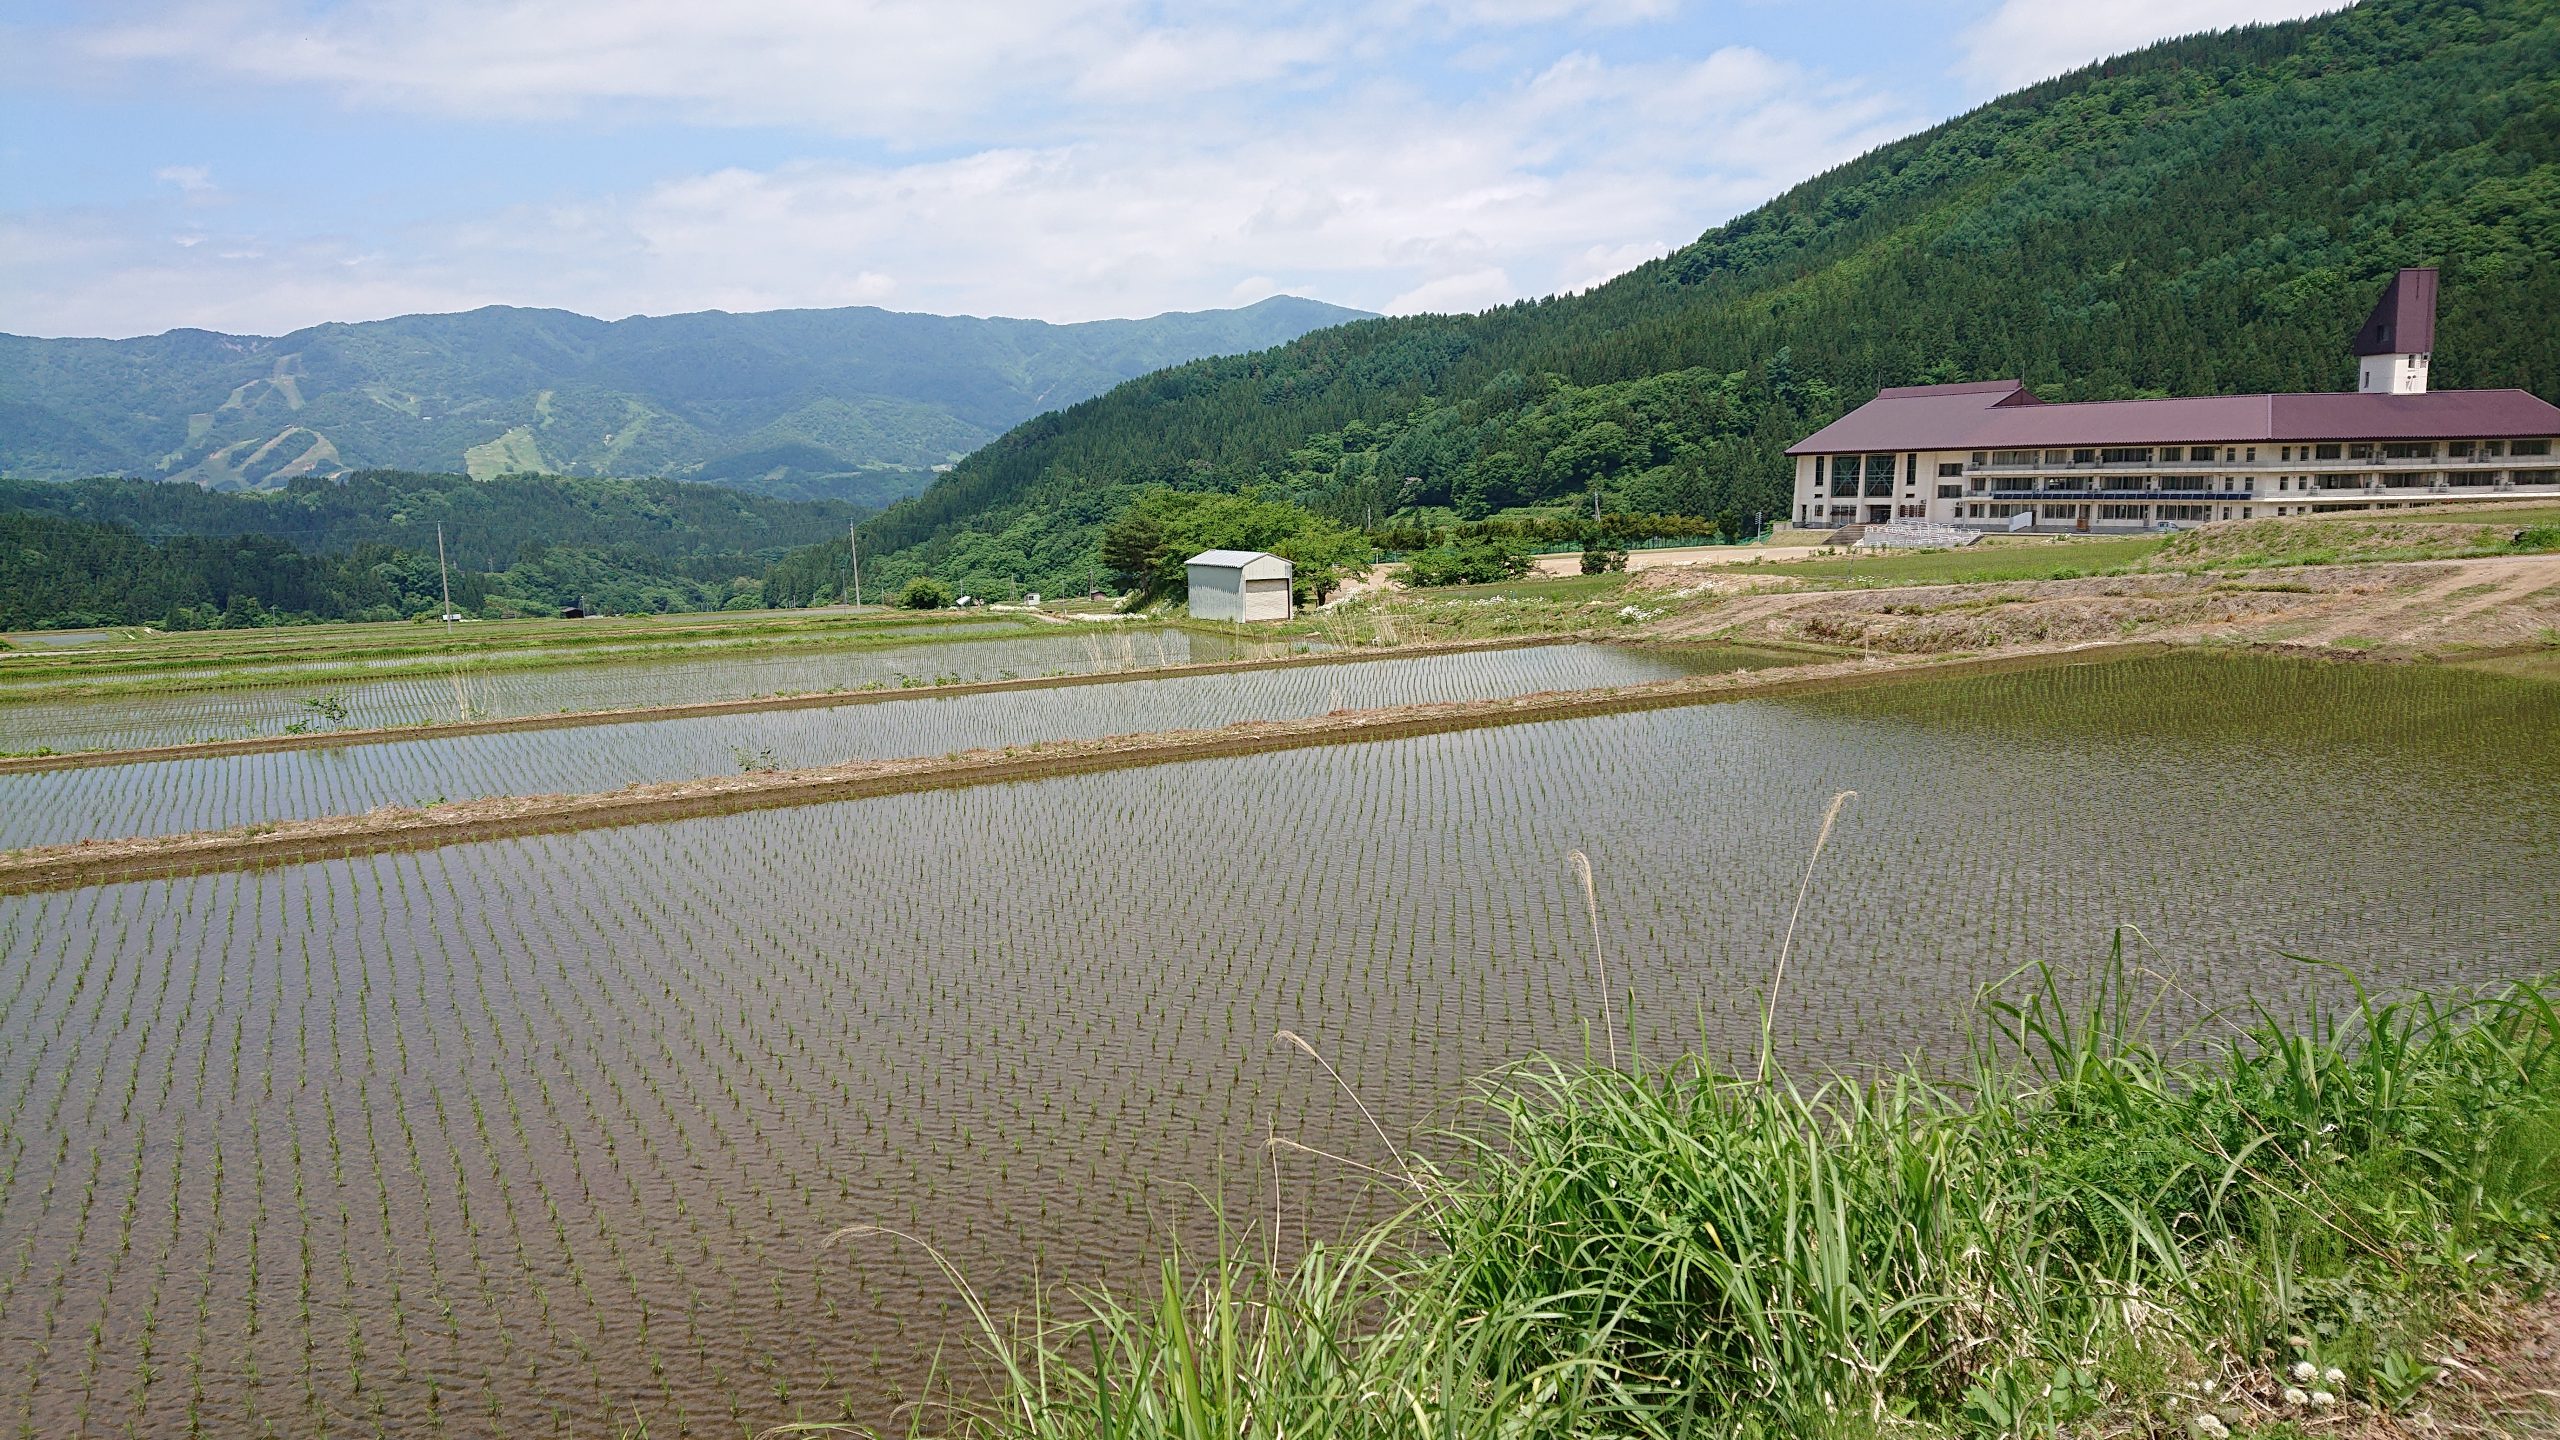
[924,593]
[1468,562]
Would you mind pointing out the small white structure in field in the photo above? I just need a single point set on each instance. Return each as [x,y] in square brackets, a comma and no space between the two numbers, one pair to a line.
[1239,585]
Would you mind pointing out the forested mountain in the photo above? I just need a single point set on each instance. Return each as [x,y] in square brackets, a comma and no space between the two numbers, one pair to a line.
[851,404]
[96,552]
[2210,214]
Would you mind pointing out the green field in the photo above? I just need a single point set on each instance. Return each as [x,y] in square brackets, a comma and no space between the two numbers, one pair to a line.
[209,792]
[1985,560]
[279,696]
[196,658]
[1534,587]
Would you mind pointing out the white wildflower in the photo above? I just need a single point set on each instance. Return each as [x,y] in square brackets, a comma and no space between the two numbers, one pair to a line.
[2334,1378]
[2209,1426]
[2323,1399]
[2293,1395]
[2305,1371]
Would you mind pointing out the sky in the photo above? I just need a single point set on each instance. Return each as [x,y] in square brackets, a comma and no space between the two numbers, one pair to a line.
[254,166]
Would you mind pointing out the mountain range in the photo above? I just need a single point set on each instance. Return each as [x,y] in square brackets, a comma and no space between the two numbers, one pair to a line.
[856,403]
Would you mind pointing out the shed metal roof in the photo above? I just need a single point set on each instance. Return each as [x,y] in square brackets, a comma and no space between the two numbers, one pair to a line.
[2003,415]
[1233,559]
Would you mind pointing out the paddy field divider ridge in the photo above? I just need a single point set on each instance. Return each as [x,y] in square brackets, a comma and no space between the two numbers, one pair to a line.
[691,709]
[401,828]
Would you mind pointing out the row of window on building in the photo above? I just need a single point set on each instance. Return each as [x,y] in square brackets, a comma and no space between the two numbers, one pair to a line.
[2118,455]
[2348,450]
[1996,510]
[2251,484]
[1846,472]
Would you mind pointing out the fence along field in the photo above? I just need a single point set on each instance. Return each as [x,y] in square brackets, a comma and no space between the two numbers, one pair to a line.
[276,701]
[169,796]
[541,1136]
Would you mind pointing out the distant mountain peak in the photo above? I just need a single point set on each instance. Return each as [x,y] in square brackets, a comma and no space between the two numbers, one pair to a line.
[853,401]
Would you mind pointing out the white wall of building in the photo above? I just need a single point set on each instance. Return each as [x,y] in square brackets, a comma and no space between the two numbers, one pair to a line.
[1919,485]
[2392,374]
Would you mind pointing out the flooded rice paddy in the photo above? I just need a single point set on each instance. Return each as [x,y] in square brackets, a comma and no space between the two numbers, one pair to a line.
[168,796]
[541,1136]
[476,691]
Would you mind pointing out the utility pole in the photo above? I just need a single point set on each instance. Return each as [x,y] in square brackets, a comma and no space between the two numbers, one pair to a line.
[445,576]
[854,530]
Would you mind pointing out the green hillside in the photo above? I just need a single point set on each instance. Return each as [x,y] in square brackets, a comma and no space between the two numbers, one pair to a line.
[851,404]
[2211,214]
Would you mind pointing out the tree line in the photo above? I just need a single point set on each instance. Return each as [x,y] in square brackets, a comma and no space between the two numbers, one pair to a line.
[134,552]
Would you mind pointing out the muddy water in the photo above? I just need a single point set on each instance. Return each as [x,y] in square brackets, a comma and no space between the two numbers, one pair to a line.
[471,691]
[536,1136]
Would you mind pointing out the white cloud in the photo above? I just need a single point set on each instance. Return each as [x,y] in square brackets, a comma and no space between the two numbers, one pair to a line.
[2024,41]
[1237,155]
[910,70]
[1531,12]
[1602,263]
[190,179]
[1456,294]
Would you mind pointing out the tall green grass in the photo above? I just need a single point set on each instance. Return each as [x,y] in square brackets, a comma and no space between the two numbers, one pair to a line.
[2095,1228]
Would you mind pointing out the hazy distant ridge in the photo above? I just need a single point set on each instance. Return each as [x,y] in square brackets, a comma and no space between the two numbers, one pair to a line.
[853,402]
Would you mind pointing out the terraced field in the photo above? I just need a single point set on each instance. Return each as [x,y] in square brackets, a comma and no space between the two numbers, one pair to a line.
[541,1136]
[168,796]
[274,700]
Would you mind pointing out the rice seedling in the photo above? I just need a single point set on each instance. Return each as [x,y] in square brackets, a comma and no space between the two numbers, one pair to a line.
[217,792]
[532,1136]
[63,710]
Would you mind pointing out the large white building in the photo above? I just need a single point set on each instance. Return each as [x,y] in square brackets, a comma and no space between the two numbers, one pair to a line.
[1991,456]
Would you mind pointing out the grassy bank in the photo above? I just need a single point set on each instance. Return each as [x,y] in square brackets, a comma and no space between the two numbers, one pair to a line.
[203,660]
[2099,1231]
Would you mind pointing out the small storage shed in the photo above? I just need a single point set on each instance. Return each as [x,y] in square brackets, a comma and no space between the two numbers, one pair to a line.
[1239,585]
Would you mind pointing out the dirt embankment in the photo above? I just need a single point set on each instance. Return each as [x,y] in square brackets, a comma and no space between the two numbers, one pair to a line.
[390,828]
[2409,609]
[2336,539]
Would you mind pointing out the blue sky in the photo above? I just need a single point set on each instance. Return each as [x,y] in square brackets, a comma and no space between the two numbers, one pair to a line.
[259,165]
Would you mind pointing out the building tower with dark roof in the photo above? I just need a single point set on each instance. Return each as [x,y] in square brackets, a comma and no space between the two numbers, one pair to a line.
[2399,337]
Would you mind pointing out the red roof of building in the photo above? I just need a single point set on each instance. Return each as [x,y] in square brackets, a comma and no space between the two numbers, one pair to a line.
[2005,415]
